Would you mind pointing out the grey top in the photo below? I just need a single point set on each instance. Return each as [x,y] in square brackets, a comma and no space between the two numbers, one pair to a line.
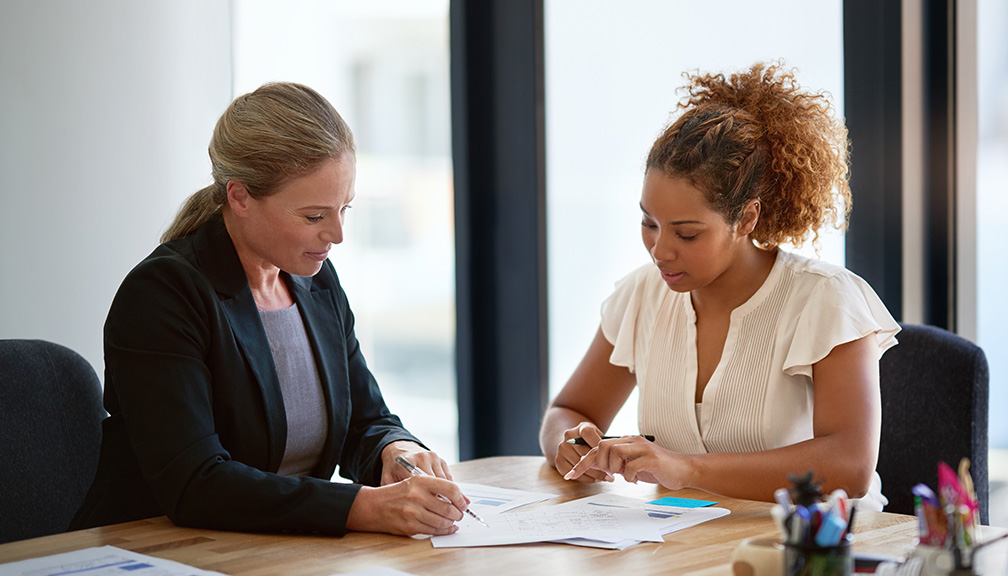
[300,387]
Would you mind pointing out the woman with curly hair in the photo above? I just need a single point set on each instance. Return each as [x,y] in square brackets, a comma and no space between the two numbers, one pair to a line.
[752,363]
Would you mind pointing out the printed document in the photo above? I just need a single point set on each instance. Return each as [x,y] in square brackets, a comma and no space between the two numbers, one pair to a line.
[101,561]
[576,519]
[668,519]
[493,499]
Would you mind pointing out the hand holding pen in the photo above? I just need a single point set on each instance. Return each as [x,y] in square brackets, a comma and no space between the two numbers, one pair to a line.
[419,456]
[636,458]
[582,442]
[408,506]
[577,442]
[414,471]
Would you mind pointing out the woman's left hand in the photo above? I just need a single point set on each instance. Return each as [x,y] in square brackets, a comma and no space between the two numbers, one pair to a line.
[636,459]
[422,458]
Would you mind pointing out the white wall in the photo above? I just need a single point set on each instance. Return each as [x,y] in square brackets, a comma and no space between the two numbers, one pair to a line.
[106,110]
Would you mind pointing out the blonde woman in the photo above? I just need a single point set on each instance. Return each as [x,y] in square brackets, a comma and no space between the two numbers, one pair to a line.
[234,383]
[751,362]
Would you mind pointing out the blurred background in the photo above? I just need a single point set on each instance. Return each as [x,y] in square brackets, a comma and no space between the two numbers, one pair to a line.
[106,109]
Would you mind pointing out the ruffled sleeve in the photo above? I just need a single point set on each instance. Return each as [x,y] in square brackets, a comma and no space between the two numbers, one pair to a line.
[842,308]
[622,313]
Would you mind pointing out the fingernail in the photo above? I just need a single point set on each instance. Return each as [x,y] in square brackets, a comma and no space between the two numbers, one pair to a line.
[568,475]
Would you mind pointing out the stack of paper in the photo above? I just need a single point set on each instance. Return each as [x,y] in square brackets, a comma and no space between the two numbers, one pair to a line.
[676,515]
[603,520]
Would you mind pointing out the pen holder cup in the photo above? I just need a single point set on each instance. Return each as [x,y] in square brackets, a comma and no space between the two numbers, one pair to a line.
[812,560]
[933,561]
[758,556]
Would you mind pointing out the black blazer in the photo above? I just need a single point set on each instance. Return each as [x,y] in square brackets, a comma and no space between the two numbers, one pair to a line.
[196,427]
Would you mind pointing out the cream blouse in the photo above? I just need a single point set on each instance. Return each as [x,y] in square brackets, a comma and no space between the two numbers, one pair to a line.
[760,395]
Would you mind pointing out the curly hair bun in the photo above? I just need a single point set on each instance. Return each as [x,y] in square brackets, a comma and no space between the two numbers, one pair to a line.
[757,134]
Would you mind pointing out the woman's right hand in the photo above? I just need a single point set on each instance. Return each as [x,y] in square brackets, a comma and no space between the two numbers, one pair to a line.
[584,407]
[568,455]
[409,507]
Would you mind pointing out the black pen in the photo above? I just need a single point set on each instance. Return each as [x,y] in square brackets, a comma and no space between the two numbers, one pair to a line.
[582,442]
[413,470]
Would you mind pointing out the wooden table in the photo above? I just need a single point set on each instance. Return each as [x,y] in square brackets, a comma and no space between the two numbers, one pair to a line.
[702,549]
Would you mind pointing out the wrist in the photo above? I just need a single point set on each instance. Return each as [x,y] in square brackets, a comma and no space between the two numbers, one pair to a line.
[361,511]
[693,463]
[402,446]
[393,445]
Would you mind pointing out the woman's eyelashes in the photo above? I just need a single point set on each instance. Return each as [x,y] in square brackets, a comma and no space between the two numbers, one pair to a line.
[316,218]
[681,235]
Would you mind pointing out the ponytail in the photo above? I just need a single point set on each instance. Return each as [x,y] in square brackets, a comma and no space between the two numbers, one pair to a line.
[196,210]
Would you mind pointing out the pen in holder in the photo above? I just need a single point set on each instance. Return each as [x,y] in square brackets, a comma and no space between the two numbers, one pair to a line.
[815,530]
[948,522]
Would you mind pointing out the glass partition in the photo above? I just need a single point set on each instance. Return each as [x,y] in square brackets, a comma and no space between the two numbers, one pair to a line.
[991,206]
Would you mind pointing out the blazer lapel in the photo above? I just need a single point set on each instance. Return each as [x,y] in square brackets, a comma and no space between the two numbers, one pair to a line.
[251,337]
[219,261]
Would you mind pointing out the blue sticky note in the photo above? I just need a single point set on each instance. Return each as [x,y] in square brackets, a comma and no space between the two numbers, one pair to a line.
[682,502]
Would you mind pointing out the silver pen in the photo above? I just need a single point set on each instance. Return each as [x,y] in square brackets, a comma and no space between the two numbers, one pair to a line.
[412,469]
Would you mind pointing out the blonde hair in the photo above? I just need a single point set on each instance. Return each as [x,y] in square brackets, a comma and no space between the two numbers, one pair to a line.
[281,130]
[757,134]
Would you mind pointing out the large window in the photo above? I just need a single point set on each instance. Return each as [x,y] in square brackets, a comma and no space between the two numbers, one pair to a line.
[611,76]
[384,66]
[992,205]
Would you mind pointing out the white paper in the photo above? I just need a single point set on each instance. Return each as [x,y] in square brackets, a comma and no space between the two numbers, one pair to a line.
[491,499]
[576,519]
[667,518]
[101,561]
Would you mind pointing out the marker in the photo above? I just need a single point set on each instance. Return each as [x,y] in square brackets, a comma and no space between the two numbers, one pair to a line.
[831,531]
[780,518]
[413,470]
[800,522]
[839,504]
[783,497]
[583,442]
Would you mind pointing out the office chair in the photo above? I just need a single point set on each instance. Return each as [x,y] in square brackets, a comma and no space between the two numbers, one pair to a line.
[50,432]
[934,408]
